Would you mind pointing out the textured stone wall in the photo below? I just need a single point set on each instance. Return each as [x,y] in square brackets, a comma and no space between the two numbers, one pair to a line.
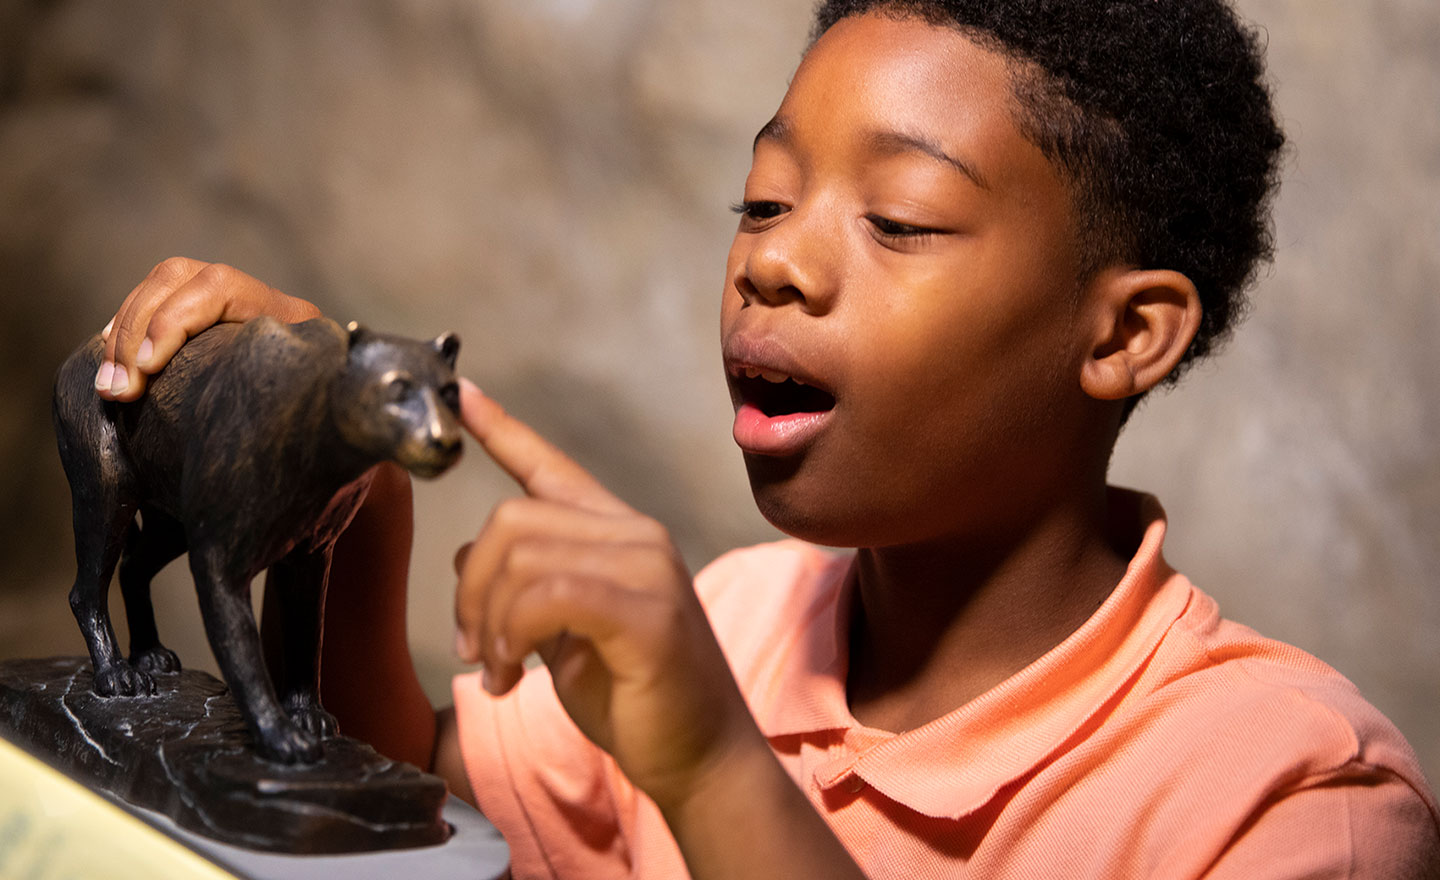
[550,179]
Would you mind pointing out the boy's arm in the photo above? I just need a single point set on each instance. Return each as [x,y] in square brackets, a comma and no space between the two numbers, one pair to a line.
[448,764]
[367,676]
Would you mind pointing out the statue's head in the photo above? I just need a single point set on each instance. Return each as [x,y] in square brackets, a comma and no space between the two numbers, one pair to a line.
[397,399]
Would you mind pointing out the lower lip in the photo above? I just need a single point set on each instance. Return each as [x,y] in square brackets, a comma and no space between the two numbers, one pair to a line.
[775,435]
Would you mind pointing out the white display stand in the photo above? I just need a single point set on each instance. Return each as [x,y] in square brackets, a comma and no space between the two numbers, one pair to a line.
[52,828]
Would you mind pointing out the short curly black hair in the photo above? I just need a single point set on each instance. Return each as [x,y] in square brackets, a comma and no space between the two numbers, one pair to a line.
[1155,111]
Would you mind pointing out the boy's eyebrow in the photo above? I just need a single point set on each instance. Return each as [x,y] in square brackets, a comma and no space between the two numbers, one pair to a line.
[890,142]
[884,141]
[776,129]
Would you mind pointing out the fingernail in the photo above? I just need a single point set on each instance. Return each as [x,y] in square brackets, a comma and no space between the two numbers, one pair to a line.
[502,649]
[105,334]
[462,645]
[147,348]
[487,681]
[120,380]
[470,386]
[102,378]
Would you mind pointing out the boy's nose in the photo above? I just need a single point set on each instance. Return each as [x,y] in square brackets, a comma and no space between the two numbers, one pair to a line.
[790,262]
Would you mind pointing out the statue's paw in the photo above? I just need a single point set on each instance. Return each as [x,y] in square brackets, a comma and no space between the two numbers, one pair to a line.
[309,717]
[287,744]
[123,680]
[158,660]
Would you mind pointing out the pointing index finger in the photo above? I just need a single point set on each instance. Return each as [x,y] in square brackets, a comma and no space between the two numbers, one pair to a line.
[541,469]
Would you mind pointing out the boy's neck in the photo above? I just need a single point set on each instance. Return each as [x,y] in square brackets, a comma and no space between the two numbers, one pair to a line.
[937,625]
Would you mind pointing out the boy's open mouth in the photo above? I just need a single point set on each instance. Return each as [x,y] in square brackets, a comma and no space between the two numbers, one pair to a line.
[776,394]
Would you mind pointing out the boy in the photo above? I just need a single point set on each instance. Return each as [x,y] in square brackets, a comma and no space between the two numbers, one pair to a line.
[973,235]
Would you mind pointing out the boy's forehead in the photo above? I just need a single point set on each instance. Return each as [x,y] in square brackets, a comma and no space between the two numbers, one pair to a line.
[899,84]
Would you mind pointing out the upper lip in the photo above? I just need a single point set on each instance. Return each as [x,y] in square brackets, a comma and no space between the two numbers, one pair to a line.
[748,353]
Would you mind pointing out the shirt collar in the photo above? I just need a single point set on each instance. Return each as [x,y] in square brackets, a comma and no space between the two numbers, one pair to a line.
[958,762]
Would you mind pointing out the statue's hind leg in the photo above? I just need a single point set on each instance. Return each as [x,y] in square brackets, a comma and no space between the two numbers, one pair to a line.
[103,509]
[150,546]
[100,526]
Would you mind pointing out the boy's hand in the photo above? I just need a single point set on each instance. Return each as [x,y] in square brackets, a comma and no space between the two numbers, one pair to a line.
[601,593]
[179,298]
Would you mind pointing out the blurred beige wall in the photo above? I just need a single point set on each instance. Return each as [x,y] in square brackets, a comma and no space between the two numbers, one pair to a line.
[549,178]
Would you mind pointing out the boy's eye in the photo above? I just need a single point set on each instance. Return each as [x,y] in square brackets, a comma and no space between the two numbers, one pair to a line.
[893,229]
[757,211]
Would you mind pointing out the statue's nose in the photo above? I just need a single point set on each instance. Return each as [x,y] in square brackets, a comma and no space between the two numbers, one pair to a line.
[447,445]
[445,437]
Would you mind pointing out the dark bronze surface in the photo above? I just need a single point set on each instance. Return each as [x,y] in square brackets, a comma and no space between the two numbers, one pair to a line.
[186,752]
[251,450]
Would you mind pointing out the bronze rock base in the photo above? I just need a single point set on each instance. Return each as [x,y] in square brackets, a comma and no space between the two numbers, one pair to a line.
[186,753]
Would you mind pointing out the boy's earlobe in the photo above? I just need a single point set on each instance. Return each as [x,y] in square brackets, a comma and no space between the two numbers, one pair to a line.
[1144,320]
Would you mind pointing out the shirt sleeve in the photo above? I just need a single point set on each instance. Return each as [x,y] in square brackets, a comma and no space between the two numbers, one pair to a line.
[561,803]
[1361,822]
[538,780]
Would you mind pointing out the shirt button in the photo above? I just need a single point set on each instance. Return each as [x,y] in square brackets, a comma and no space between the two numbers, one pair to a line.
[854,784]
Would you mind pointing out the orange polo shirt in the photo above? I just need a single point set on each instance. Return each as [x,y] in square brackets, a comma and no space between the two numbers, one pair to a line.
[1158,740]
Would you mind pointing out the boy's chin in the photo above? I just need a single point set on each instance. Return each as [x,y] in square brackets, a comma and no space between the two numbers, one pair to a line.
[783,499]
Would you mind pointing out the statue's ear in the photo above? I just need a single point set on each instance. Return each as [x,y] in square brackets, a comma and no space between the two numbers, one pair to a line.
[356,332]
[448,346]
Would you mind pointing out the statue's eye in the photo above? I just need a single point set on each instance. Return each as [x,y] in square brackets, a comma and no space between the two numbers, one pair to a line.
[399,388]
[450,394]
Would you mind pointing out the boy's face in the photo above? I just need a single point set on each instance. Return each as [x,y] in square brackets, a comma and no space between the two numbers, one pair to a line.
[907,254]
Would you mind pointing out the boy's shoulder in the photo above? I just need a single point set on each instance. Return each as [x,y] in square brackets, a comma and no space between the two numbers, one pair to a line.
[1268,705]
[1272,747]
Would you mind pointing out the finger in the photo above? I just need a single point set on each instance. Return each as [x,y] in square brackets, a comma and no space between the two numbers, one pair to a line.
[159,282]
[460,556]
[553,641]
[614,620]
[541,469]
[531,561]
[516,520]
[498,679]
[215,294]
[118,379]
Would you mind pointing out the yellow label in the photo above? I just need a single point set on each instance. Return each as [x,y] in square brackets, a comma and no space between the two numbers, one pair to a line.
[53,828]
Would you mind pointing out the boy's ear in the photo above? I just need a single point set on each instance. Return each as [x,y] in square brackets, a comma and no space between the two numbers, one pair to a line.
[1143,322]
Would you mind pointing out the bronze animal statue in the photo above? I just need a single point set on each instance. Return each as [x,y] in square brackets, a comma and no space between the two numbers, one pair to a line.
[251,450]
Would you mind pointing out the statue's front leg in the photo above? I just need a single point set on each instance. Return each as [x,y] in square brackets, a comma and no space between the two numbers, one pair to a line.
[295,599]
[224,595]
